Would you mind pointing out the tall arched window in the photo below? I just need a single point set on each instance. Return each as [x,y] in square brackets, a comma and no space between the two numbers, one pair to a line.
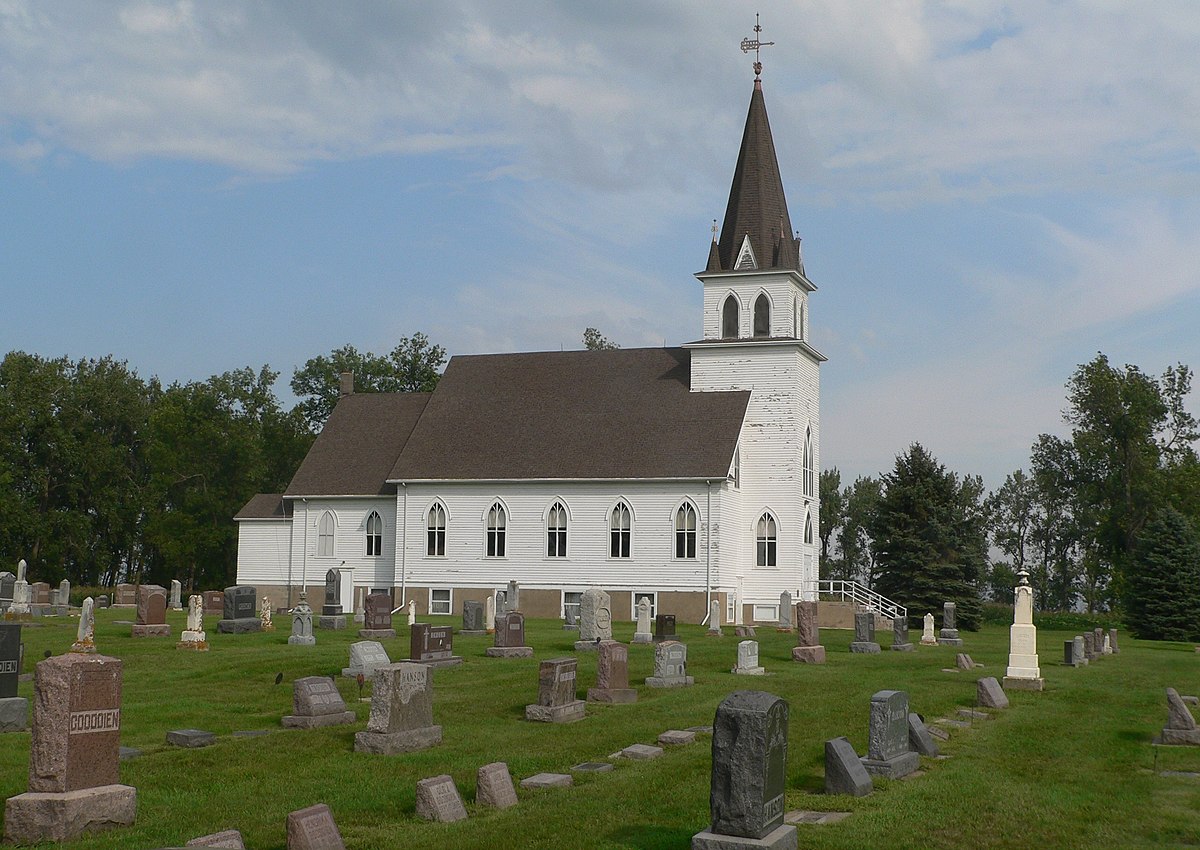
[730,320]
[762,315]
[808,462]
[685,531]
[374,534]
[435,532]
[325,536]
[766,541]
[619,532]
[800,326]
[496,531]
[808,533]
[556,531]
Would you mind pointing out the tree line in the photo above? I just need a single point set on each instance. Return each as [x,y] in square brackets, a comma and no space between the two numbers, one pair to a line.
[106,476]
[1107,519]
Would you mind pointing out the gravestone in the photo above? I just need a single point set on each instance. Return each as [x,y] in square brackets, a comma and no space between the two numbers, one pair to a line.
[360,614]
[264,615]
[714,619]
[948,636]
[151,612]
[1023,672]
[864,633]
[888,750]
[7,580]
[313,829]
[664,628]
[433,645]
[366,657]
[785,612]
[332,616]
[595,619]
[193,636]
[962,661]
[490,609]
[642,633]
[510,638]
[102,601]
[990,694]
[1107,646]
[919,738]
[1089,646]
[512,598]
[1079,651]
[749,775]
[747,660]
[900,641]
[744,631]
[302,624]
[1181,726]
[14,710]
[1112,641]
[125,596]
[1098,640]
[670,666]
[472,614]
[1069,653]
[438,800]
[844,771]
[62,600]
[927,636]
[570,621]
[401,719]
[85,634]
[214,603]
[377,617]
[494,786]
[412,613]
[39,593]
[556,693]
[612,675]
[74,780]
[240,611]
[808,649]
[229,839]
[176,600]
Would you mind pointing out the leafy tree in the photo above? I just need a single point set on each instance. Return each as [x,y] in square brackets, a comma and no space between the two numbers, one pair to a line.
[593,340]
[1162,593]
[414,365]
[859,558]
[930,539]
[1001,582]
[833,506]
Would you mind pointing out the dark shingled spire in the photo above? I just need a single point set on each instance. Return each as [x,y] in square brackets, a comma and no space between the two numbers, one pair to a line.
[756,203]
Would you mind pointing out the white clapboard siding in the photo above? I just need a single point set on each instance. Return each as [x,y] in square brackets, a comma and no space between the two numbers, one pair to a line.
[349,540]
[788,301]
[264,549]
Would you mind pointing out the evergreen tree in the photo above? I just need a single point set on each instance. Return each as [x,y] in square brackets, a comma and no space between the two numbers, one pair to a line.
[1162,591]
[929,538]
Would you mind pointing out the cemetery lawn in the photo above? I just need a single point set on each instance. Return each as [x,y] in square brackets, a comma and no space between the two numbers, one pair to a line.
[1070,767]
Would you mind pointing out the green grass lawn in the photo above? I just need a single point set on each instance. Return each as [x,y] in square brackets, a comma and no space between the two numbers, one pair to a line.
[1070,767]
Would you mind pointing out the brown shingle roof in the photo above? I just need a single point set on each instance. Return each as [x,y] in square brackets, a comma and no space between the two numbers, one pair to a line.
[626,413]
[358,445]
[265,506]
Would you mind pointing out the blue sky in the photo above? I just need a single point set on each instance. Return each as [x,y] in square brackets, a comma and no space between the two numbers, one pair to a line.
[989,193]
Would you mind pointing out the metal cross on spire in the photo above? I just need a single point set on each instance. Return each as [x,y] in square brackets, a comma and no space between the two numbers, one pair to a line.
[756,44]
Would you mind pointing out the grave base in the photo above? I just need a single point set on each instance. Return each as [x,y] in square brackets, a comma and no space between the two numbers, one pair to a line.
[14,714]
[782,837]
[391,743]
[1011,684]
[902,647]
[83,646]
[749,671]
[240,626]
[663,638]
[197,644]
[585,646]
[300,721]
[942,641]
[568,713]
[641,638]
[567,628]
[438,663]
[1179,737]
[929,642]
[669,681]
[155,630]
[612,695]
[472,632]
[46,816]
[714,633]
[808,654]
[863,646]
[509,652]
[376,634]
[302,640]
[336,622]
[893,768]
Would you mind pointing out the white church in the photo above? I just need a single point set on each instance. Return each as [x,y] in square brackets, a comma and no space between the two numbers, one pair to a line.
[677,474]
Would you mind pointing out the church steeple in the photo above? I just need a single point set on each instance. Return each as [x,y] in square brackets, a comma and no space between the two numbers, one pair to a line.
[757,212]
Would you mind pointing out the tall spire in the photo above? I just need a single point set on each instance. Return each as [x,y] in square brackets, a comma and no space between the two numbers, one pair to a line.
[757,210]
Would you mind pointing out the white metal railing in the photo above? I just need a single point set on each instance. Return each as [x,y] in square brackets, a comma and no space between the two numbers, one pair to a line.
[859,595]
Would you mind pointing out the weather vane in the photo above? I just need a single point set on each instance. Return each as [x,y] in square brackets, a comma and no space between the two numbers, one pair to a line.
[756,44]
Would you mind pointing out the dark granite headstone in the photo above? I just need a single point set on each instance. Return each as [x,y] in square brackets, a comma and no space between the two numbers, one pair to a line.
[749,771]
[919,738]
[556,693]
[10,659]
[333,595]
[844,772]
[313,829]
[612,674]
[241,611]
[864,633]
[152,605]
[948,636]
[888,751]
[664,628]
[126,595]
[510,629]
[670,666]
[377,616]
[808,649]
[317,702]
[214,603]
[900,641]
[472,614]
[430,643]
[7,581]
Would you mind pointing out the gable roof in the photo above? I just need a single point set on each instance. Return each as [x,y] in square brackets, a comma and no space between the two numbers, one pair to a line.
[619,414]
[265,506]
[358,445]
[757,207]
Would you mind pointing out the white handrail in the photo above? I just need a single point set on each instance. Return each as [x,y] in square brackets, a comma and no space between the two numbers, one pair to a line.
[859,595]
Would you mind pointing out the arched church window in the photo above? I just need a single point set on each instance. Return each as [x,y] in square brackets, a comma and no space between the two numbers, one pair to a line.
[808,462]
[762,315]
[808,531]
[685,531]
[435,532]
[374,534]
[325,535]
[619,532]
[765,538]
[556,531]
[730,319]
[496,531]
